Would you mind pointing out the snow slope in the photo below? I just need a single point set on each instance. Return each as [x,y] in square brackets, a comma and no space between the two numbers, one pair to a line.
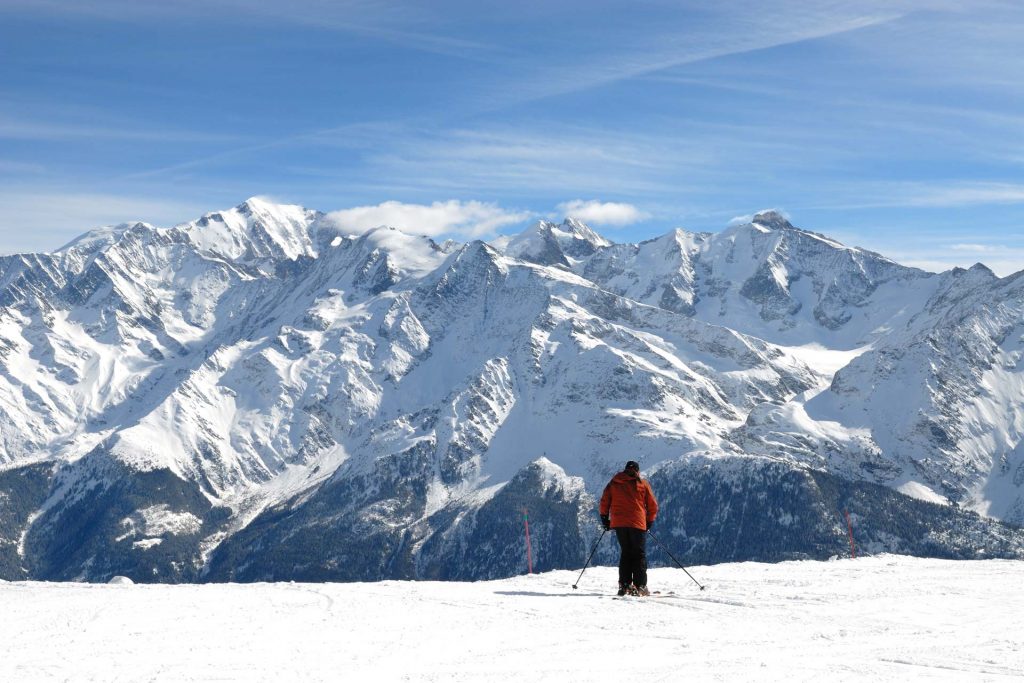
[885,618]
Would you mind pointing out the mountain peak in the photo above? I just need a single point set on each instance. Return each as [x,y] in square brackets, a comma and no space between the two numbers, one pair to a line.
[979,272]
[771,218]
[256,228]
[100,238]
[257,206]
[555,244]
[581,230]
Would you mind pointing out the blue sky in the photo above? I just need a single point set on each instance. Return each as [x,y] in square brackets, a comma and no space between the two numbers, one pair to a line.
[895,125]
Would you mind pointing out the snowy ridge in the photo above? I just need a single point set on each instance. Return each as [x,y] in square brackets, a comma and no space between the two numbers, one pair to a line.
[383,395]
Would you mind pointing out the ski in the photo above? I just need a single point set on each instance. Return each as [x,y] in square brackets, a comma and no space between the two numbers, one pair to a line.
[653,594]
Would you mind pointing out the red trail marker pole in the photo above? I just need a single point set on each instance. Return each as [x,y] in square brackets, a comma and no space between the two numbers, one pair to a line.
[529,552]
[849,530]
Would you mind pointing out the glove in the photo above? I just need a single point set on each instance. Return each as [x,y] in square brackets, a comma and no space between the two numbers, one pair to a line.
[606,522]
[650,524]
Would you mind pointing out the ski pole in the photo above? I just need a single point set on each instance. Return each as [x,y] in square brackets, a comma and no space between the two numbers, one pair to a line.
[594,550]
[649,533]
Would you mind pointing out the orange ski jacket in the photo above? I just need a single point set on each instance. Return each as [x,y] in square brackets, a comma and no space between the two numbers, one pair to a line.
[629,501]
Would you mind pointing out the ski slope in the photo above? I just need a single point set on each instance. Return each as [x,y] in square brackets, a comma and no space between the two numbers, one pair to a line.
[877,618]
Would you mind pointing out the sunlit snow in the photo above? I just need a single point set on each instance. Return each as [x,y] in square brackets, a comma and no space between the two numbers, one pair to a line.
[885,618]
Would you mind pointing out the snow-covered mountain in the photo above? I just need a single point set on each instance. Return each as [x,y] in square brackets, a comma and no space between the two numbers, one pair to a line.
[255,394]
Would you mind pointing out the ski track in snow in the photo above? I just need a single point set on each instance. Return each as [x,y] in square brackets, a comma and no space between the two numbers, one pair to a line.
[877,618]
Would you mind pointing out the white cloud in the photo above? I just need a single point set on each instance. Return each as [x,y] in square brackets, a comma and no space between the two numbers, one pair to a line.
[36,129]
[466,219]
[1002,256]
[368,18]
[613,214]
[1002,267]
[42,221]
[968,194]
[19,167]
[558,160]
[938,195]
[977,248]
[763,25]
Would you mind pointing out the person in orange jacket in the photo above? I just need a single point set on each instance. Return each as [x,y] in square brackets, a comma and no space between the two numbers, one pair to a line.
[628,506]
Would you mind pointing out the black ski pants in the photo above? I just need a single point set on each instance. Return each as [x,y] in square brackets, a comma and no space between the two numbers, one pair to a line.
[633,560]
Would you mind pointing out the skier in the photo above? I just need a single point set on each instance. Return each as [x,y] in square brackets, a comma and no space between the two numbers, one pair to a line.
[628,506]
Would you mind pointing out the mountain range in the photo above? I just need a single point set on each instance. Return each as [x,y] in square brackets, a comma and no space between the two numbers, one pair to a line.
[257,395]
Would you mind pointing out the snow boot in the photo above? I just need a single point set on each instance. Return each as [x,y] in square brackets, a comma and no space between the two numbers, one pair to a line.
[623,589]
[642,591]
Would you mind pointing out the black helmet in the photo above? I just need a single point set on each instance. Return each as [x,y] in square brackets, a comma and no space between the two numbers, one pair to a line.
[632,465]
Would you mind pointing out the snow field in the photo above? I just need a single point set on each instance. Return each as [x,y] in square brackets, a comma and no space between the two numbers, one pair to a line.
[876,618]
